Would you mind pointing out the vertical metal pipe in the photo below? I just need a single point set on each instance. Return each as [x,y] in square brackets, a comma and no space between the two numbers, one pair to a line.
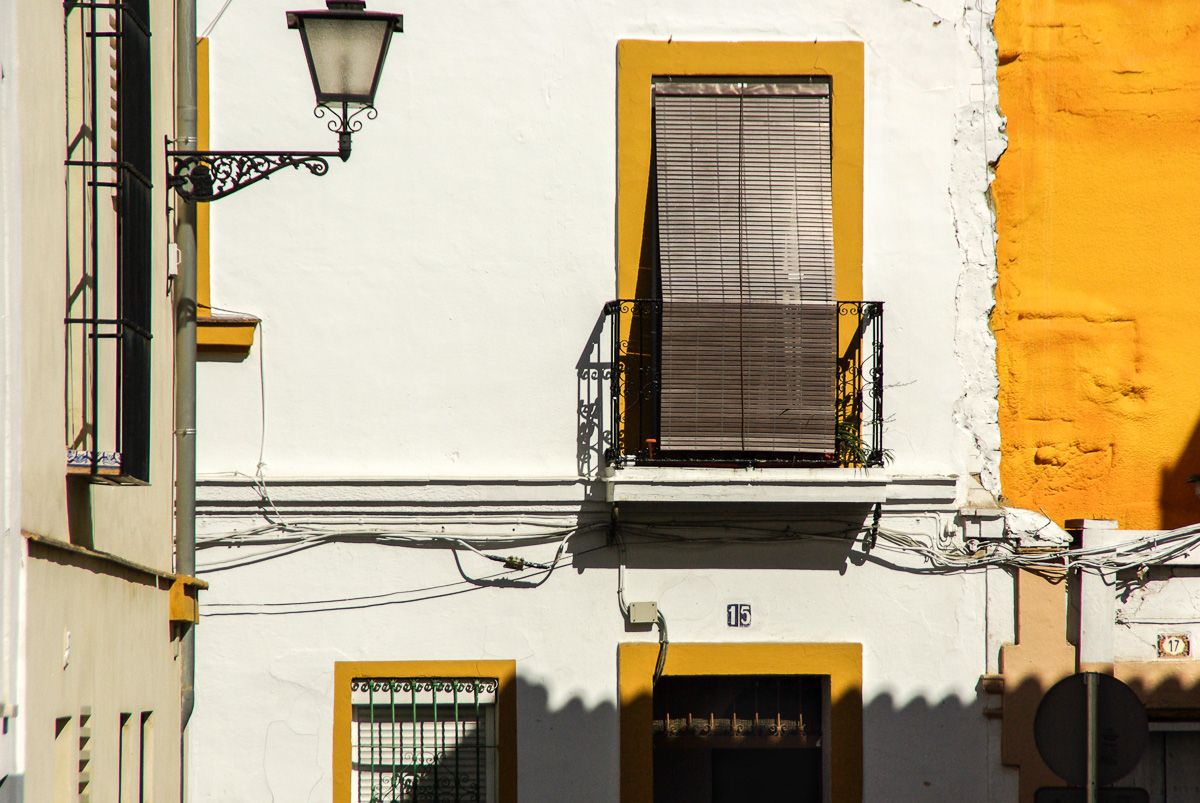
[1092,684]
[185,355]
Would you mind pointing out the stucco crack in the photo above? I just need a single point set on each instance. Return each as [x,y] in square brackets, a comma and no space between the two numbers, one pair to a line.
[979,141]
[938,19]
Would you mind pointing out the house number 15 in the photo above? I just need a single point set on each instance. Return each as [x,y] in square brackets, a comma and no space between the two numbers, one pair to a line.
[737,614]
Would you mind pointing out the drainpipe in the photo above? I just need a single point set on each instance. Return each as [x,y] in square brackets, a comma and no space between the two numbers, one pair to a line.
[185,352]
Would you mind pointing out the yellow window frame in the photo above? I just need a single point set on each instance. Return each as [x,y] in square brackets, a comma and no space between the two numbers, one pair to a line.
[842,663]
[506,712]
[639,61]
[223,333]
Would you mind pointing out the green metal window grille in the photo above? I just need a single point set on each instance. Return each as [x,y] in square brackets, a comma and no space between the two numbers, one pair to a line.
[423,739]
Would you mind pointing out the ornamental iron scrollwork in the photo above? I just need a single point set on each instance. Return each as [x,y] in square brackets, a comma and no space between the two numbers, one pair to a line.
[428,684]
[204,176]
[635,386]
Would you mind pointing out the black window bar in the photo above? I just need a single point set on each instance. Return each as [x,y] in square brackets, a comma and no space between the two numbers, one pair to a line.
[424,739]
[635,385]
[126,318]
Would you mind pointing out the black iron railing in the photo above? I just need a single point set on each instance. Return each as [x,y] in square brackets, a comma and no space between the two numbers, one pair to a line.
[635,384]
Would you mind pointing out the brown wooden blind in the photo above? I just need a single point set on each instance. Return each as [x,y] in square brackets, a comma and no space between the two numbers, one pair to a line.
[743,174]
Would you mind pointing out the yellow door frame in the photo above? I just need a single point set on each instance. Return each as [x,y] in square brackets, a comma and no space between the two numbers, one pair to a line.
[842,663]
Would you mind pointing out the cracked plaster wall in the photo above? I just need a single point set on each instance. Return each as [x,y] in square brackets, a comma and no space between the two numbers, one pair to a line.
[1098,244]
[1167,602]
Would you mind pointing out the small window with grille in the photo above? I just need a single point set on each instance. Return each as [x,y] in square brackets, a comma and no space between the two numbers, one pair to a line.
[423,739]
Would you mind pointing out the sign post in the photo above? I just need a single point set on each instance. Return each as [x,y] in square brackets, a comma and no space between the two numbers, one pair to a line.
[1091,729]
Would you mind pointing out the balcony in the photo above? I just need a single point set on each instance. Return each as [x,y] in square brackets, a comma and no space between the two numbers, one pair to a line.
[839,395]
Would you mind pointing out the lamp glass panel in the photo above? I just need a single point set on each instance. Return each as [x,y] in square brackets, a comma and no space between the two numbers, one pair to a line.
[345,55]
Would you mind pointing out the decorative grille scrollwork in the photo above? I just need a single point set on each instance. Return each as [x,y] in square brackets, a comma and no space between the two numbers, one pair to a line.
[419,685]
[635,385]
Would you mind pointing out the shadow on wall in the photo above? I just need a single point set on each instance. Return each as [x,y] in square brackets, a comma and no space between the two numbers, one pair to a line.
[726,537]
[916,750]
[593,371]
[1178,502]
[569,752]
[919,748]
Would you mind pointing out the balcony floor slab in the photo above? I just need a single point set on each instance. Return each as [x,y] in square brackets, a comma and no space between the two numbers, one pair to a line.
[656,484]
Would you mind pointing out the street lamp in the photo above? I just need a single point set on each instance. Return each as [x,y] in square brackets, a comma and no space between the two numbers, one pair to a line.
[345,46]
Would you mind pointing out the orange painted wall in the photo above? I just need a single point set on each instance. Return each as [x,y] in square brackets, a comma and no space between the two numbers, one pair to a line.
[1098,302]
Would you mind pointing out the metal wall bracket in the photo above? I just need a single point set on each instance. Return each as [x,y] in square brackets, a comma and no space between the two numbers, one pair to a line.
[209,175]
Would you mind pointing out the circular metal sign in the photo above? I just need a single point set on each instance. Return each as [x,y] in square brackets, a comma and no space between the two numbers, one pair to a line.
[1061,725]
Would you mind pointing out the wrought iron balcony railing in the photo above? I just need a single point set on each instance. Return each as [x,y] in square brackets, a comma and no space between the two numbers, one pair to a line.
[636,387]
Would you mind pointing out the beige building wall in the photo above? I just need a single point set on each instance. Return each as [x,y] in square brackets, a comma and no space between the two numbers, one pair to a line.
[101,662]
[98,649]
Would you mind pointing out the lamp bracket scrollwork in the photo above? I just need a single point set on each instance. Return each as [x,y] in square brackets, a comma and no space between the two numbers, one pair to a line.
[203,176]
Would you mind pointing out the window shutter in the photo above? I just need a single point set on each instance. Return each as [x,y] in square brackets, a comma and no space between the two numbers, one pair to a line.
[134,245]
[697,157]
[743,174]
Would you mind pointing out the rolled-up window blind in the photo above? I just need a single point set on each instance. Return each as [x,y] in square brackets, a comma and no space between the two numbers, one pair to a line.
[743,174]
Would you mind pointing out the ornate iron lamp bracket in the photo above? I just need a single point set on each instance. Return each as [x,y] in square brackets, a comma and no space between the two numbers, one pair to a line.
[209,175]
[202,176]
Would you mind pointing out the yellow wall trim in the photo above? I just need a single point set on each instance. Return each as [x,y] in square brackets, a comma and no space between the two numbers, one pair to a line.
[506,711]
[225,332]
[841,662]
[50,542]
[638,61]
[215,332]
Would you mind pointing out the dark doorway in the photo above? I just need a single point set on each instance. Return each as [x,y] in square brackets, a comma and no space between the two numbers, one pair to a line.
[738,738]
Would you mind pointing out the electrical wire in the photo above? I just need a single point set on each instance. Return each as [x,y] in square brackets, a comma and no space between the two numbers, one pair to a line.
[660,620]
[371,600]
[938,554]
[259,478]
[299,539]
[663,643]
[209,28]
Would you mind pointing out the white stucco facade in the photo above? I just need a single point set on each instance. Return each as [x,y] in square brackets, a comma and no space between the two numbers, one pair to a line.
[430,309]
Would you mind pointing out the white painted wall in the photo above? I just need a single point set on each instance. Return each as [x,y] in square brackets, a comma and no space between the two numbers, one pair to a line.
[426,303]
[263,726]
[425,306]
[11,576]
